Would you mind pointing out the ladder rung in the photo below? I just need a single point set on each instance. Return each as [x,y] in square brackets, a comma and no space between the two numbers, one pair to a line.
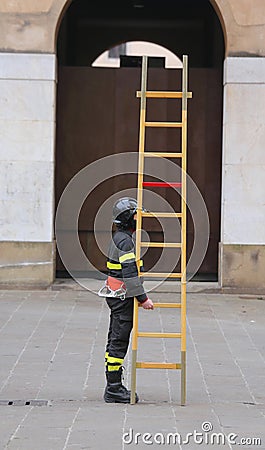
[163,94]
[167,305]
[162,184]
[154,365]
[164,124]
[162,155]
[160,274]
[161,244]
[158,335]
[160,214]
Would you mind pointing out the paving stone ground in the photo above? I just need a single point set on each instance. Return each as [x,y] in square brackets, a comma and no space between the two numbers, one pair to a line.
[52,349]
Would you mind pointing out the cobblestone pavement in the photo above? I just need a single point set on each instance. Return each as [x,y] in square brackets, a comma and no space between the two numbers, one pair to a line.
[52,358]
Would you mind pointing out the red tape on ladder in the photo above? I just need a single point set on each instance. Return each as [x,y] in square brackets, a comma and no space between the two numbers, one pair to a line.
[160,184]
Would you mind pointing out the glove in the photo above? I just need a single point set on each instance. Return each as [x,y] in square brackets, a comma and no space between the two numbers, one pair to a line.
[147,304]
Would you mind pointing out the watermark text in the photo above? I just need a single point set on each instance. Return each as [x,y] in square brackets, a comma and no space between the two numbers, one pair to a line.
[206,436]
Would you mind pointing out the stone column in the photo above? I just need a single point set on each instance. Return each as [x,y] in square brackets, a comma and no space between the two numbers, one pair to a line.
[242,247]
[27,131]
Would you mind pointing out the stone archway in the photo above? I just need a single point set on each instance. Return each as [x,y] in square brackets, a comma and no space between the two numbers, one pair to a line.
[59,7]
[211,70]
[243,34]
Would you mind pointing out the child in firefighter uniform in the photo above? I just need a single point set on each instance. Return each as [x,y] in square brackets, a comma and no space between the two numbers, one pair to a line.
[122,285]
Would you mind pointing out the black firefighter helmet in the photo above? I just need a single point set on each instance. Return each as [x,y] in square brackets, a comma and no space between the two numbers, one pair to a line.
[123,211]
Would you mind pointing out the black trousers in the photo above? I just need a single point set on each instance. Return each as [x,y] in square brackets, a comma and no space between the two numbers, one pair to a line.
[120,326]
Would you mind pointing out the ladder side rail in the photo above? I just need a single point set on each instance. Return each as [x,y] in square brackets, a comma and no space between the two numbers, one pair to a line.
[139,218]
[184,227]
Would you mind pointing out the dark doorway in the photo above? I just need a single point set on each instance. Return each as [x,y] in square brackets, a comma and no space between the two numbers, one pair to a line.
[89,97]
[182,26]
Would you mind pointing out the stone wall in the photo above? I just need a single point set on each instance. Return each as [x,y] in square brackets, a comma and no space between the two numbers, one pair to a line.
[30,25]
[27,133]
[243,188]
[243,25]
[28,30]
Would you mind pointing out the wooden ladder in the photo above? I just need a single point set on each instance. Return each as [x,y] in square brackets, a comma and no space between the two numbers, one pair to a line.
[143,95]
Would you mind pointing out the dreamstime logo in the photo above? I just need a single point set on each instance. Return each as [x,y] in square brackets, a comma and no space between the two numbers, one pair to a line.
[204,437]
[90,178]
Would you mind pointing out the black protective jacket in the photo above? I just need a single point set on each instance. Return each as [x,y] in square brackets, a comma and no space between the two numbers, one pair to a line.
[121,264]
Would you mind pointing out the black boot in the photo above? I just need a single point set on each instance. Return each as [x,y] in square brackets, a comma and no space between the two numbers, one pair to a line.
[115,392]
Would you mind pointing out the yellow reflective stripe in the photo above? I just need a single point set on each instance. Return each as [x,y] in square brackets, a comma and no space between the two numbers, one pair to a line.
[113,368]
[113,266]
[117,266]
[106,358]
[126,257]
[112,359]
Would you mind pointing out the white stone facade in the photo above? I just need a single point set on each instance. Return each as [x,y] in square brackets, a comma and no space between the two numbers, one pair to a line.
[27,155]
[27,133]
[243,180]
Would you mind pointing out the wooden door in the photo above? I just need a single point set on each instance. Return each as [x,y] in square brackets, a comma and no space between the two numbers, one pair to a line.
[98,115]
